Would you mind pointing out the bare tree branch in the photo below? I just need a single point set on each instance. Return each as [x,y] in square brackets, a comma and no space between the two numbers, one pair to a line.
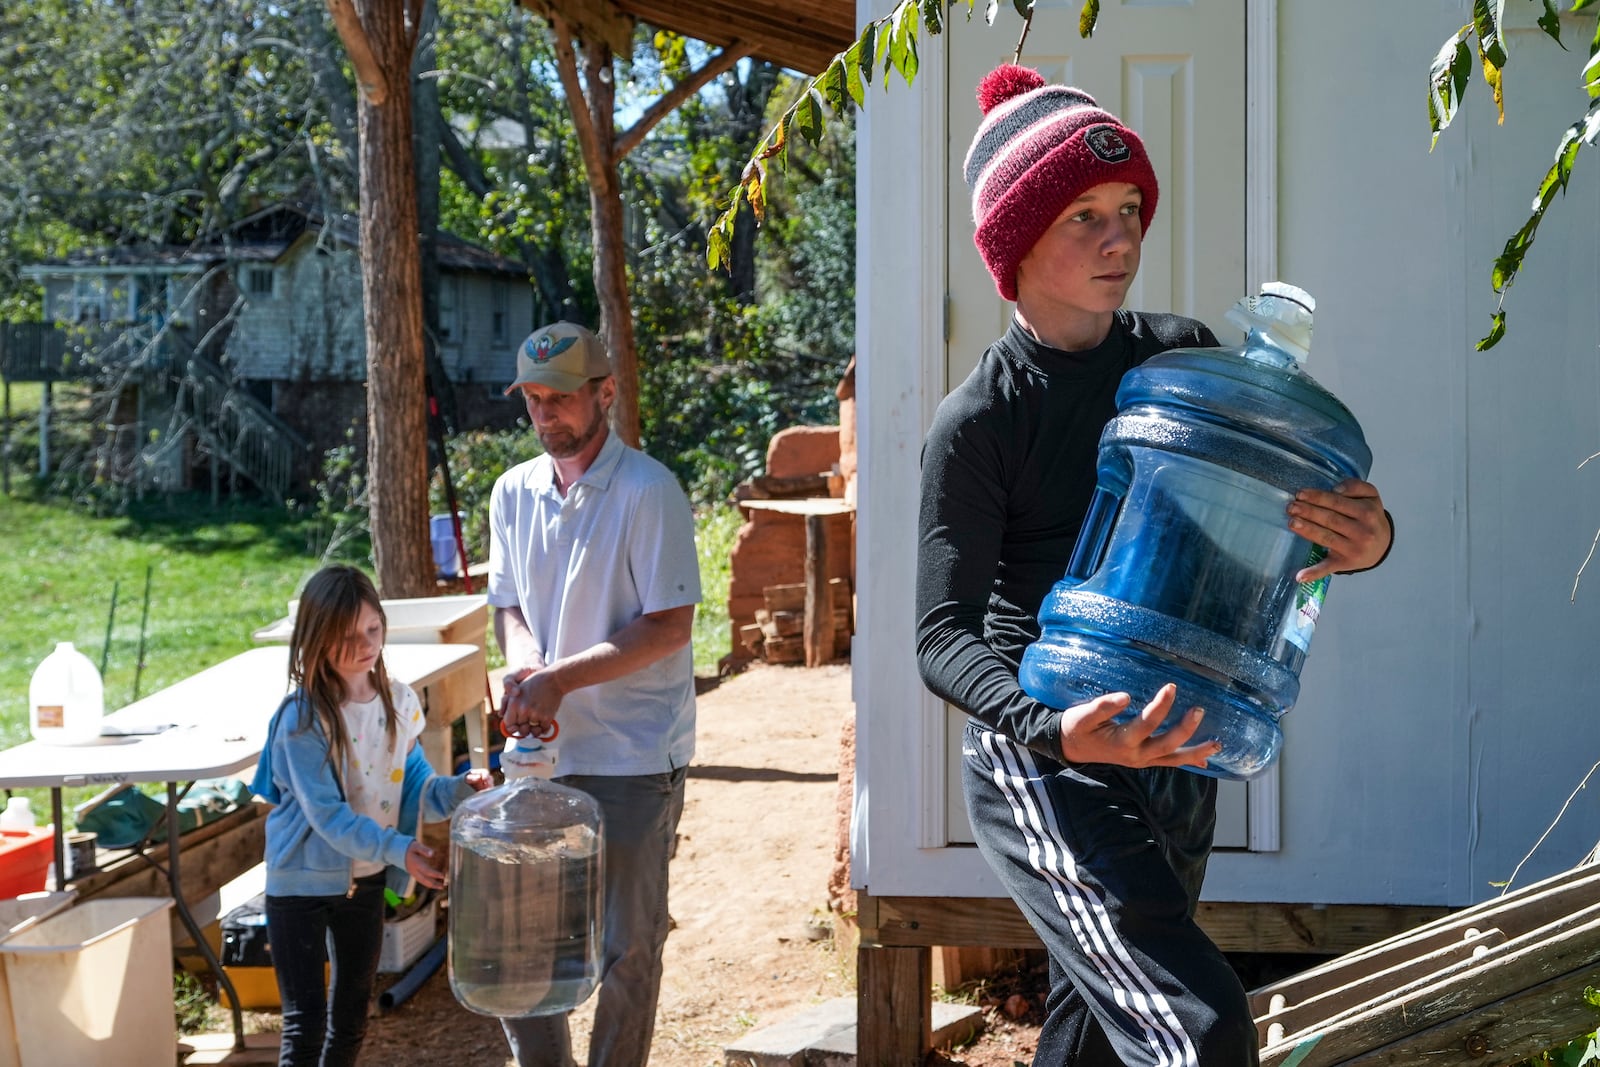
[667,102]
[369,74]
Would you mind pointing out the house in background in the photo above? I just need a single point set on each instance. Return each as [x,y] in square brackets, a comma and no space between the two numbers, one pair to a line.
[246,351]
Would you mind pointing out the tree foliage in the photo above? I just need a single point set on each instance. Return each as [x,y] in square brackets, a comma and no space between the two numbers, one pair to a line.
[1480,43]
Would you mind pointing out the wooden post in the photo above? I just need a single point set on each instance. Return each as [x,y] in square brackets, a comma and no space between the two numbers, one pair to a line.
[5,442]
[894,1005]
[819,597]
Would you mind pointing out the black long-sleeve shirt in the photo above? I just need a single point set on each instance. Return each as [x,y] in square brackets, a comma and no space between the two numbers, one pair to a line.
[1008,471]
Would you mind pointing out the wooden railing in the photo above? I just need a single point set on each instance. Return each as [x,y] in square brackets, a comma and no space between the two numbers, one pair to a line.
[46,352]
[238,429]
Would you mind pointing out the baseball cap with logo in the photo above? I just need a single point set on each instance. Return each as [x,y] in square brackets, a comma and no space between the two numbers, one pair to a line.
[561,356]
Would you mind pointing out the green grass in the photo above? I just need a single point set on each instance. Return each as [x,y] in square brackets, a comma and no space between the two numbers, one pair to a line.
[715,530]
[215,575]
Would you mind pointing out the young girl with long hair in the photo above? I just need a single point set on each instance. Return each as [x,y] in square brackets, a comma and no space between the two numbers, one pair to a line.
[349,783]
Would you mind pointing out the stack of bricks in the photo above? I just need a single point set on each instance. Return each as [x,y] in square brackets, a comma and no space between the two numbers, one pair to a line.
[777,634]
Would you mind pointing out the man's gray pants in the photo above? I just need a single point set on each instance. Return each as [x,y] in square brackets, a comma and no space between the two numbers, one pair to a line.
[641,819]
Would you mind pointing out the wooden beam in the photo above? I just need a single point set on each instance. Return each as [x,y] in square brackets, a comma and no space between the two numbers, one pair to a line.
[1235,927]
[369,75]
[212,856]
[894,1006]
[1511,1030]
[819,597]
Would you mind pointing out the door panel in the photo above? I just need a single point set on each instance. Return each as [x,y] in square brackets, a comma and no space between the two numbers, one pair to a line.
[1175,73]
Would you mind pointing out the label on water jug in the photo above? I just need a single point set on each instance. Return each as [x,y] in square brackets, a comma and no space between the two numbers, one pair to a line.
[52,716]
[1307,604]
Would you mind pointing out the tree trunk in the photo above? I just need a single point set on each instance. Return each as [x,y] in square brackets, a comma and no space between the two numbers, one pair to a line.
[607,237]
[391,283]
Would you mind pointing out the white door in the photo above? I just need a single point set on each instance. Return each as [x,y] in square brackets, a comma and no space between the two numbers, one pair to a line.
[1174,71]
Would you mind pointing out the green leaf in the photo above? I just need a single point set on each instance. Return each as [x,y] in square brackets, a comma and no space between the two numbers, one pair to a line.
[1582,5]
[1496,331]
[852,70]
[1591,75]
[1447,81]
[1087,18]
[868,43]
[1023,7]
[808,115]
[903,45]
[1487,16]
[933,16]
[1550,21]
[831,82]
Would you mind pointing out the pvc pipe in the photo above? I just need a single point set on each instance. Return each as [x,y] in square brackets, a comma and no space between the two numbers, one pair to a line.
[415,978]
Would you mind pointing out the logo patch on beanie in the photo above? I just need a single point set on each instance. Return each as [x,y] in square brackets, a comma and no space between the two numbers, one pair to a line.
[1107,144]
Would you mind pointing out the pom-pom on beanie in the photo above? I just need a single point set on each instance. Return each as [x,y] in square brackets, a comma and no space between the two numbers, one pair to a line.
[1038,148]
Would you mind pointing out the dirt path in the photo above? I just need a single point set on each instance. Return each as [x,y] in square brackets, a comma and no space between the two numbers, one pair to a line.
[750,874]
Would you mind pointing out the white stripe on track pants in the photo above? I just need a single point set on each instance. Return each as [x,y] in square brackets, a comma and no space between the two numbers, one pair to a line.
[1106,863]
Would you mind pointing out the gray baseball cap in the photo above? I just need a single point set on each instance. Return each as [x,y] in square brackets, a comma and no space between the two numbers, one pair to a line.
[561,356]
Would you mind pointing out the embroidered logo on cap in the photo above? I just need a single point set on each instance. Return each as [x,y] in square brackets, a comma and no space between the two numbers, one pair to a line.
[544,348]
[1107,144]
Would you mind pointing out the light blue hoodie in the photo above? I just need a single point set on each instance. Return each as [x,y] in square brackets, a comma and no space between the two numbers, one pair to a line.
[313,835]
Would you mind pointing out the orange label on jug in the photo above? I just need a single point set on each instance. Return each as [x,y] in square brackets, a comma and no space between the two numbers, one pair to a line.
[52,716]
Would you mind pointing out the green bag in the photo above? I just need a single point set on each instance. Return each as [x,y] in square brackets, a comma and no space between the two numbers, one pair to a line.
[124,816]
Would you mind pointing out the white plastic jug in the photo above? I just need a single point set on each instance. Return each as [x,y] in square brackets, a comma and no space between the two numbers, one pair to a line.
[66,700]
[18,815]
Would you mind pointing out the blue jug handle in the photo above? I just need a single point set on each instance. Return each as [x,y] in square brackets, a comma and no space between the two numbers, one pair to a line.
[1094,534]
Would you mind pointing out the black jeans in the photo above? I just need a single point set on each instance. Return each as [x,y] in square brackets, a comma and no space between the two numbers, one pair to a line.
[306,932]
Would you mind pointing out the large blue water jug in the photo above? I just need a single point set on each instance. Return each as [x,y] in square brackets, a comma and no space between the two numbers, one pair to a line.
[1184,569]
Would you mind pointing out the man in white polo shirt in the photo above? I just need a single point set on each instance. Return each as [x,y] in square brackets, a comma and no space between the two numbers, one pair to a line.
[594,578]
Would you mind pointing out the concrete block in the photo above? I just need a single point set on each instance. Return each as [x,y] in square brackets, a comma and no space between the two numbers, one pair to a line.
[824,1035]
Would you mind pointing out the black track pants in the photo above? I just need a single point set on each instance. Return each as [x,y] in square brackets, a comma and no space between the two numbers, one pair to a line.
[1106,863]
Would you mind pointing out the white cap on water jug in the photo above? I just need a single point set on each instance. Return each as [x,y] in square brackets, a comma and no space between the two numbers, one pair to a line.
[1280,316]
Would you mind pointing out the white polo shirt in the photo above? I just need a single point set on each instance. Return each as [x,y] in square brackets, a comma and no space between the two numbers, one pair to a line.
[620,544]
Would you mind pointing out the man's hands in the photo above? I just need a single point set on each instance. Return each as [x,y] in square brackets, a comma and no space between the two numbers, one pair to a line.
[1348,521]
[530,700]
[1089,736]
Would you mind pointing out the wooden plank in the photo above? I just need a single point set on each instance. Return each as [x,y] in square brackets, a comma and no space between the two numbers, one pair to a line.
[1283,1017]
[1511,1030]
[1502,974]
[211,856]
[1235,927]
[894,1006]
[790,597]
[819,598]
[1515,913]
[1332,929]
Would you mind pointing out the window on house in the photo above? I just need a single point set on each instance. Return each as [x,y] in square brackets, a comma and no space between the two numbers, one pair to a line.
[449,294]
[90,300]
[258,281]
[498,318]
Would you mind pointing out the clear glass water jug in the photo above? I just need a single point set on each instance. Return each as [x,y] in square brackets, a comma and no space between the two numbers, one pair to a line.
[525,896]
[1184,569]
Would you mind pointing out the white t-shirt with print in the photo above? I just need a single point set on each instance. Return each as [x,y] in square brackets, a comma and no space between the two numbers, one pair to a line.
[375,770]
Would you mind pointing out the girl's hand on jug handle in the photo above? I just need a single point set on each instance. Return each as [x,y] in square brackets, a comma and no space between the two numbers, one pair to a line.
[1089,736]
[419,864]
[1348,521]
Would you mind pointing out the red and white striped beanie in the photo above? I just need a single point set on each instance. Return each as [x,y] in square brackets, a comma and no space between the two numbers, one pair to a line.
[1038,148]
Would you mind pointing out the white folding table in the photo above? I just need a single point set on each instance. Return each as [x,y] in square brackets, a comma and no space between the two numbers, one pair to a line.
[215,723]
